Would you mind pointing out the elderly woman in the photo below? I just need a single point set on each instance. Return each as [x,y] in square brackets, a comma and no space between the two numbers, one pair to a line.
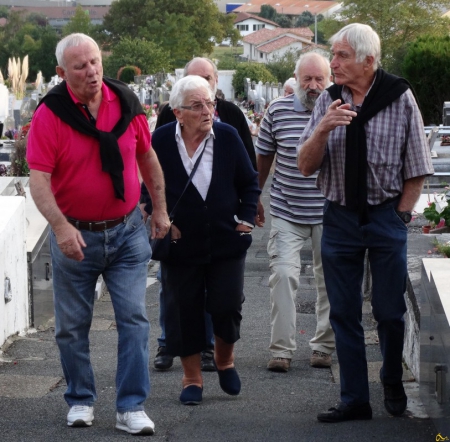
[289,86]
[211,233]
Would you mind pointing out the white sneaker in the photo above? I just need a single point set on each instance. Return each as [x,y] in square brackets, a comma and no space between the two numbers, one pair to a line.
[80,416]
[135,422]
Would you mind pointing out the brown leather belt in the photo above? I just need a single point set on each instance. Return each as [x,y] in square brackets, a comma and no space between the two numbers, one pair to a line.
[99,226]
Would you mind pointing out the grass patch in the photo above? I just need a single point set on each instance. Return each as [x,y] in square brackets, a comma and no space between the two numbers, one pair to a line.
[226,56]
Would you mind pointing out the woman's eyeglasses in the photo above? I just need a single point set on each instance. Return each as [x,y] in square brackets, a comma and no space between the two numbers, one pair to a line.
[198,107]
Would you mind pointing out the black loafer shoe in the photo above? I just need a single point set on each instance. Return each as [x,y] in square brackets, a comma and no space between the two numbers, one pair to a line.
[207,362]
[343,412]
[163,361]
[191,395]
[395,400]
[229,381]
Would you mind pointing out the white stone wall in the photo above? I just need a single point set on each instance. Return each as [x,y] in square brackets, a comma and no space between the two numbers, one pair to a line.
[225,79]
[13,265]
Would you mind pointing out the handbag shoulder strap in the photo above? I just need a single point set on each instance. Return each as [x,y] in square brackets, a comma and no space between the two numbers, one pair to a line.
[172,213]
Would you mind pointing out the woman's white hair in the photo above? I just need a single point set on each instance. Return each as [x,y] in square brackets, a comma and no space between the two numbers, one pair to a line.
[290,82]
[362,39]
[186,85]
[69,42]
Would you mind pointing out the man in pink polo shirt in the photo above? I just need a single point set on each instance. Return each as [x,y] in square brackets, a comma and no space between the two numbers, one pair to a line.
[89,135]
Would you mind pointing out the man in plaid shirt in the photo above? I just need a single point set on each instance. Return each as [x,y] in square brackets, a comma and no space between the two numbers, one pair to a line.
[367,138]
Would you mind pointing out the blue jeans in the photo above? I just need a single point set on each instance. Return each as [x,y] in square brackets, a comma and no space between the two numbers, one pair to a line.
[162,320]
[344,244]
[121,255]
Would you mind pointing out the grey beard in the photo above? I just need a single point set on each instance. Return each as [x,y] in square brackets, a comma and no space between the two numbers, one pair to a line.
[307,100]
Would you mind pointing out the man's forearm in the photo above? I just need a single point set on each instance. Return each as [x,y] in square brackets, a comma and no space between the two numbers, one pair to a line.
[264,163]
[310,156]
[44,199]
[412,189]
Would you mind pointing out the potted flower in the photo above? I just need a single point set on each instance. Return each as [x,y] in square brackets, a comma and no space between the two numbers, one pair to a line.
[445,140]
[438,217]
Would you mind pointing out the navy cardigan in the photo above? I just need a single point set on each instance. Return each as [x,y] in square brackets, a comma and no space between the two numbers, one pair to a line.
[208,228]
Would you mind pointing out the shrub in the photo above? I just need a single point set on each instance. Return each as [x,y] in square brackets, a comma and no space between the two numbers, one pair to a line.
[254,71]
[127,73]
[428,59]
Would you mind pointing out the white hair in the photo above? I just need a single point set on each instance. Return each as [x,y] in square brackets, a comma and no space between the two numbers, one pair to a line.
[289,82]
[69,42]
[362,39]
[190,83]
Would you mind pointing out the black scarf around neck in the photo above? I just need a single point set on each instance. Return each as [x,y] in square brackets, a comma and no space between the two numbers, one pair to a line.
[59,101]
[385,90]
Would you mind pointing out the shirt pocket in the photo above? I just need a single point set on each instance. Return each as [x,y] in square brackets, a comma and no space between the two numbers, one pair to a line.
[384,156]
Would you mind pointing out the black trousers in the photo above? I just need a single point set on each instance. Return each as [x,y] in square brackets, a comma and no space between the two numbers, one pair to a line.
[189,290]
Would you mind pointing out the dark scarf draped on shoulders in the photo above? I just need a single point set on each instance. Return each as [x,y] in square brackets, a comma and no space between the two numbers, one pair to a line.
[385,90]
[59,101]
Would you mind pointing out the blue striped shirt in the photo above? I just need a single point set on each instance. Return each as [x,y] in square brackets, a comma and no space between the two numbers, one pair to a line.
[293,197]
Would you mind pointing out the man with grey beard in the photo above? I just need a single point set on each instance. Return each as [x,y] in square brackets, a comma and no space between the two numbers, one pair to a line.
[296,206]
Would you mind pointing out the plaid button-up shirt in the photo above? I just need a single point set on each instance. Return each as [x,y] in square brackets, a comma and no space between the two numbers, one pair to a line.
[397,149]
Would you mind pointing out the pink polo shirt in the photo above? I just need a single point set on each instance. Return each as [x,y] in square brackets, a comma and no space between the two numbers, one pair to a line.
[82,190]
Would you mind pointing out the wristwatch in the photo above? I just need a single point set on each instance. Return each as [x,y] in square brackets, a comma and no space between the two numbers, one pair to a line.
[405,216]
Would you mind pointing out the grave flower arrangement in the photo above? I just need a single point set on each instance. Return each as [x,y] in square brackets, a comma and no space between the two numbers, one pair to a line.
[435,213]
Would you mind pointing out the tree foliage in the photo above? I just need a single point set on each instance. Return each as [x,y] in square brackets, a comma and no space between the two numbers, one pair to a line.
[268,12]
[282,67]
[4,11]
[127,73]
[327,28]
[23,35]
[304,20]
[254,71]
[398,23]
[429,58]
[79,22]
[146,55]
[226,21]
[284,21]
[181,28]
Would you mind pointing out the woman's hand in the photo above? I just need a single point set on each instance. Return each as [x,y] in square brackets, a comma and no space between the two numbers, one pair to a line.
[175,233]
[243,228]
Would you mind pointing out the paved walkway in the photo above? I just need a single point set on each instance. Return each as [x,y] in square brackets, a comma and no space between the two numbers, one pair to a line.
[271,407]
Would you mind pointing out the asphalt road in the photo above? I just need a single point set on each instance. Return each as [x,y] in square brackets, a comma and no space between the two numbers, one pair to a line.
[275,407]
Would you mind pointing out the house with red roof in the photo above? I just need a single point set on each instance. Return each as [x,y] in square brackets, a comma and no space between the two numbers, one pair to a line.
[293,7]
[247,23]
[264,45]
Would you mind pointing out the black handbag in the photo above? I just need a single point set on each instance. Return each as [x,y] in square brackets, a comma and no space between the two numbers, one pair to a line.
[161,246]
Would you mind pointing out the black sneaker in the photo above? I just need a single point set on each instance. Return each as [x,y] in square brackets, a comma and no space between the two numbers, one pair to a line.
[163,361]
[207,363]
[343,412]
